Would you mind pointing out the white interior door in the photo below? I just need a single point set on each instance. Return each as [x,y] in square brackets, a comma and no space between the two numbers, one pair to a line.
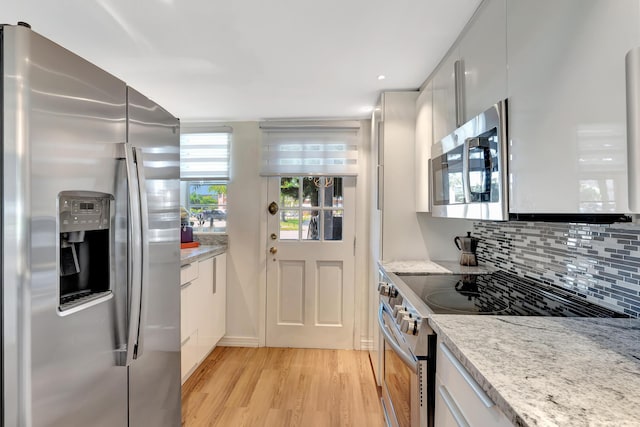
[310,262]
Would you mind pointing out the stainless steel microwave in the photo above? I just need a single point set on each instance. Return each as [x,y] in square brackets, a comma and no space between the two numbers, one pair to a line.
[469,169]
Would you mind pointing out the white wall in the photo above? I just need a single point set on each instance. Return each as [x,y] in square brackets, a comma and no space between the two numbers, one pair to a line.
[245,257]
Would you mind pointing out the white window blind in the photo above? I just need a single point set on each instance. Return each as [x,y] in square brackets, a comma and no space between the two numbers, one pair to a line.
[310,148]
[204,155]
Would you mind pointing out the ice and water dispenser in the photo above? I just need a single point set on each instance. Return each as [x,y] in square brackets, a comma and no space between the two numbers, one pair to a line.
[84,246]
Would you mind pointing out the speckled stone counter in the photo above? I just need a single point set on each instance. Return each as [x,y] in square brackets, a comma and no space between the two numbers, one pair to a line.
[187,256]
[550,371]
[432,267]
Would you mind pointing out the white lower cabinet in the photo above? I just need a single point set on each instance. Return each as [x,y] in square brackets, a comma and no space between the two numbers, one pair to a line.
[203,310]
[188,321]
[219,312]
[460,401]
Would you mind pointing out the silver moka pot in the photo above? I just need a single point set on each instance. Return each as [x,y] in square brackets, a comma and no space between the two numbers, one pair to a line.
[467,245]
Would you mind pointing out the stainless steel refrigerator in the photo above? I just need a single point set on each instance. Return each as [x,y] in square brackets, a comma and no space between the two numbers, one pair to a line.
[90,252]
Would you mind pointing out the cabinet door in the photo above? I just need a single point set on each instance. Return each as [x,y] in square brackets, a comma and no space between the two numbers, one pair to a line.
[205,303]
[220,298]
[483,50]
[446,412]
[400,224]
[424,140]
[444,97]
[188,332]
[566,90]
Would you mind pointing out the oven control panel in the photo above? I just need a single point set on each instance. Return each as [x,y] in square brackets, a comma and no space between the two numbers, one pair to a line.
[407,319]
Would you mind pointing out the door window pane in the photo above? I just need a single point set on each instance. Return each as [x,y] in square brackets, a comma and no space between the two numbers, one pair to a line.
[289,192]
[289,224]
[311,191]
[333,192]
[333,224]
[311,225]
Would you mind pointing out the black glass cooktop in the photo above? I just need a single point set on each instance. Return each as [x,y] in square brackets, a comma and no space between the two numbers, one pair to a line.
[500,293]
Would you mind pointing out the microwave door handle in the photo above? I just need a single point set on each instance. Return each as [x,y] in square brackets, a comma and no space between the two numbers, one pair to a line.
[389,339]
[469,144]
[466,185]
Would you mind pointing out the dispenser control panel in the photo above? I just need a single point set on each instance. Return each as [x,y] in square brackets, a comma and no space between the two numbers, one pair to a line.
[80,212]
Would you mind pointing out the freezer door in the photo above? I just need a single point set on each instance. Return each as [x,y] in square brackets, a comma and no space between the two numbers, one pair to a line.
[154,375]
[63,118]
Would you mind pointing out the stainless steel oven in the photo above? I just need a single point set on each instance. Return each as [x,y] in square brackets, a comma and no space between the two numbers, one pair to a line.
[469,169]
[408,368]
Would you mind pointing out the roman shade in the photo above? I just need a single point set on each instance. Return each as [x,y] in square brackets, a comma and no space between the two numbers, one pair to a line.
[310,148]
[205,155]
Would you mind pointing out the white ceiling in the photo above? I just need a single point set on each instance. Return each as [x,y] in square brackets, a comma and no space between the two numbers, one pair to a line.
[252,59]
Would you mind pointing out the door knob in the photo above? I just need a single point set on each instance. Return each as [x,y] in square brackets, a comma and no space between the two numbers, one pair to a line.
[273,208]
[273,249]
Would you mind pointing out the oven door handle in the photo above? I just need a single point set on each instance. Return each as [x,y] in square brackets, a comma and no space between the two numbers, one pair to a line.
[407,358]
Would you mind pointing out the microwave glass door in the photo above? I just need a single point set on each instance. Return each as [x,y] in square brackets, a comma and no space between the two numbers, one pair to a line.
[448,177]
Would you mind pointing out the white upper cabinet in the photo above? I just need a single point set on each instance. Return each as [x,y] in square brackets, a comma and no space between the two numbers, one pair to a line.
[482,56]
[400,225]
[483,52]
[424,139]
[566,91]
[444,97]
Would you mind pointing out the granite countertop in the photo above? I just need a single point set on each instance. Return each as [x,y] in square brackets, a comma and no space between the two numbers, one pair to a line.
[551,371]
[432,267]
[187,256]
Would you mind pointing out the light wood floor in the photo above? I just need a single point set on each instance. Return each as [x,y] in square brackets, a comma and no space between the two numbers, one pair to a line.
[282,387]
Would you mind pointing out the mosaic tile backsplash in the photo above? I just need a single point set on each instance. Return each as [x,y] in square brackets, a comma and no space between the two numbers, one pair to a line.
[598,262]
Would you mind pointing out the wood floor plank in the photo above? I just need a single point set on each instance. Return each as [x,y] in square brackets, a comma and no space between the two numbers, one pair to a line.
[282,387]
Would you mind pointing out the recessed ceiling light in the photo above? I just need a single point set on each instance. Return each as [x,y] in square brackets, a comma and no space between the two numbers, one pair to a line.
[382,77]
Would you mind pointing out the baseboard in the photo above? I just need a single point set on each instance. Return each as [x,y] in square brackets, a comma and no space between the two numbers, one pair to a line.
[227,341]
[366,344]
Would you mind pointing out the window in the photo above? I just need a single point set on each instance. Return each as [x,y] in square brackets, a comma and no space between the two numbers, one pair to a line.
[207,205]
[311,208]
[204,172]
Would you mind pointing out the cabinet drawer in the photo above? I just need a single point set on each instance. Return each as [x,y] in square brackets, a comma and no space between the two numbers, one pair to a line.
[188,356]
[463,395]
[188,273]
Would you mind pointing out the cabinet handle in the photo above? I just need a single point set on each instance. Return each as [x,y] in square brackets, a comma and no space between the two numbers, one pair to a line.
[186,285]
[215,268]
[405,356]
[185,341]
[453,408]
[183,267]
[458,76]
[632,68]
[380,199]
[486,400]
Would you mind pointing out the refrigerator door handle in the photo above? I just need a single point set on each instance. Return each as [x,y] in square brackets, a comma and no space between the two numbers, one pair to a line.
[136,260]
[144,223]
